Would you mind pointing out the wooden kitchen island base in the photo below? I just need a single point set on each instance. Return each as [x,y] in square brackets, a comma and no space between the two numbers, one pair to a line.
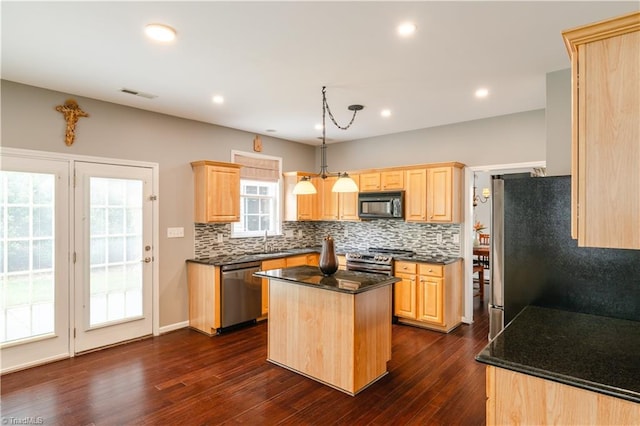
[338,338]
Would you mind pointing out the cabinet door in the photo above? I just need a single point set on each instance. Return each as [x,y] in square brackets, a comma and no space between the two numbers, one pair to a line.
[223,194]
[348,203]
[430,299]
[328,199]
[298,260]
[405,296]
[439,194]
[608,171]
[415,203]
[370,181]
[392,180]
[265,266]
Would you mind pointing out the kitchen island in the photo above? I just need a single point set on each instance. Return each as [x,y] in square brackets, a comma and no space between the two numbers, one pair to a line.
[336,329]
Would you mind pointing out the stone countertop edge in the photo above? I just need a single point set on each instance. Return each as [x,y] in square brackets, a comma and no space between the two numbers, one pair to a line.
[310,276]
[591,352]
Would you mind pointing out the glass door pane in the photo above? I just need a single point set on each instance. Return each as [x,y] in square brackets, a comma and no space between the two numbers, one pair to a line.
[116,250]
[27,255]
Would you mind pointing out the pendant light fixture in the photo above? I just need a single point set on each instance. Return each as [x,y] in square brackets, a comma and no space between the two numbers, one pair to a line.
[344,182]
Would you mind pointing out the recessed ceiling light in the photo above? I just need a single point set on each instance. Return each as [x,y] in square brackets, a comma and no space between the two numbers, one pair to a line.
[217,99]
[385,113]
[271,130]
[160,32]
[482,92]
[406,29]
[318,127]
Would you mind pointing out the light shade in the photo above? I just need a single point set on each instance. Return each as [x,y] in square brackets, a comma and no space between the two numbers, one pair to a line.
[304,186]
[345,184]
[486,193]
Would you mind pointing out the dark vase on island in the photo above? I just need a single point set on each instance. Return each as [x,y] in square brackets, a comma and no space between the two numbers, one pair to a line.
[328,258]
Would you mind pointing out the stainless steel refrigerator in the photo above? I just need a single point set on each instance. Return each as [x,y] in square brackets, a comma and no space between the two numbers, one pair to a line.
[535,261]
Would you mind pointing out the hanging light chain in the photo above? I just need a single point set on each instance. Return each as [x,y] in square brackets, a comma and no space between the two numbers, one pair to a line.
[325,105]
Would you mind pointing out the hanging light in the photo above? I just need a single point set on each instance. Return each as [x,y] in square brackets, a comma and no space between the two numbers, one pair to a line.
[344,182]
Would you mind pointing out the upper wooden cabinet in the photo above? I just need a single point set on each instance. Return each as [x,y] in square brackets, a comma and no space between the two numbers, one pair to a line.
[605,172]
[327,199]
[434,194]
[444,194]
[387,180]
[217,191]
[348,202]
[299,207]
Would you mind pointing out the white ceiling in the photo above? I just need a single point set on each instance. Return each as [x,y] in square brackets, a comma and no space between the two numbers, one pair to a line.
[270,59]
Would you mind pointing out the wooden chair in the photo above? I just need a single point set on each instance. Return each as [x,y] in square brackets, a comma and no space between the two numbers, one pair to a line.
[484,241]
[481,263]
[477,267]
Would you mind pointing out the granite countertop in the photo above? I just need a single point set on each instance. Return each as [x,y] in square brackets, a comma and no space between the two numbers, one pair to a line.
[255,257]
[592,352]
[352,282]
[231,259]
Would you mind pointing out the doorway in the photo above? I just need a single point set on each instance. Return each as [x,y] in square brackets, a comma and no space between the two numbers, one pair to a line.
[77,238]
[483,214]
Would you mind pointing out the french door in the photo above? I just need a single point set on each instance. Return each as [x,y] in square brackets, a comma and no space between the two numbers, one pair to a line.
[34,261]
[76,256]
[113,254]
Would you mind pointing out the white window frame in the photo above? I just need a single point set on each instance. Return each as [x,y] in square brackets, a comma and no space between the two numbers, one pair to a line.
[276,218]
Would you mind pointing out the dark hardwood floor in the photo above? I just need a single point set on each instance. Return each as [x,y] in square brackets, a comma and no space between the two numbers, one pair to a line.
[184,377]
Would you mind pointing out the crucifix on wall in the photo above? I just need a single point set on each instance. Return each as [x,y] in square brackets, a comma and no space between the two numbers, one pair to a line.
[72,113]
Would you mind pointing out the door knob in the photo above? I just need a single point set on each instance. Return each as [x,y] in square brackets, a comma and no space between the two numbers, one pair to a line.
[147,260]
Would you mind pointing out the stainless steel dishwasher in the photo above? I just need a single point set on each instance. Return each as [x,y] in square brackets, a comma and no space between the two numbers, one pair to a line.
[241,293]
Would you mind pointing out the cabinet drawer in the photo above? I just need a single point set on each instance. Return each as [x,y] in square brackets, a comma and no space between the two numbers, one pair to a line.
[273,264]
[405,268]
[431,270]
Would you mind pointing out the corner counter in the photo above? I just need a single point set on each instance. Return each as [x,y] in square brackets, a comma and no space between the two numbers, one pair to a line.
[336,330]
[554,366]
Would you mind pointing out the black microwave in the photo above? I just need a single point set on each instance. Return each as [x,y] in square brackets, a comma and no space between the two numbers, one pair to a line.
[381,205]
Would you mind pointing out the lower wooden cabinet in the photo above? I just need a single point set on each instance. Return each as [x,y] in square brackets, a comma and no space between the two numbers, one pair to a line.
[521,399]
[204,297]
[429,295]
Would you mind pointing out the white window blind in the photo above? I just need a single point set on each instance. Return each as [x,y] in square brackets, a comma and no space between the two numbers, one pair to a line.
[258,168]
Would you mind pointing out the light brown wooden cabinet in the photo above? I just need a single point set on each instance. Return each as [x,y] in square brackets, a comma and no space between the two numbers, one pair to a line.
[517,398]
[386,180]
[298,207]
[328,200]
[605,172]
[216,191]
[348,202]
[203,282]
[429,295]
[434,194]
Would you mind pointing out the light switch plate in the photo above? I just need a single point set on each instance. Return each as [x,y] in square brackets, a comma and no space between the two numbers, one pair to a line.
[221,238]
[456,238]
[299,233]
[439,238]
[175,232]
[288,233]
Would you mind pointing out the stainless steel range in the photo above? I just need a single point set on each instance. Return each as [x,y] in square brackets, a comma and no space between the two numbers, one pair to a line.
[376,260]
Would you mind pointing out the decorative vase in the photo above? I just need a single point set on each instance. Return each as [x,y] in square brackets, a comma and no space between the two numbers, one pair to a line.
[328,258]
[476,241]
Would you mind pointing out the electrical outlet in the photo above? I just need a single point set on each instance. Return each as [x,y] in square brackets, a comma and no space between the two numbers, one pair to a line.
[439,238]
[346,233]
[299,233]
[456,238]
[175,232]
[288,233]
[221,238]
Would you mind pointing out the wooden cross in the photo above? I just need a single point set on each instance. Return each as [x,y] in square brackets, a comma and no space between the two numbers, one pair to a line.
[71,112]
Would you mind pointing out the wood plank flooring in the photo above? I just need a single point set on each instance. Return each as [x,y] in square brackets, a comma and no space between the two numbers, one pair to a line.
[185,377]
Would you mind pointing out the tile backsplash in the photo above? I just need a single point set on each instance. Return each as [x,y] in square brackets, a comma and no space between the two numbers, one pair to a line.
[423,238]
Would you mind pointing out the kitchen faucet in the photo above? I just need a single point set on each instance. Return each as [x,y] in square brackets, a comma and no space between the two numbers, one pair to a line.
[266,244]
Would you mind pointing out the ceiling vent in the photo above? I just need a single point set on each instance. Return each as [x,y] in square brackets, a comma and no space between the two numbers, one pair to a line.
[136,93]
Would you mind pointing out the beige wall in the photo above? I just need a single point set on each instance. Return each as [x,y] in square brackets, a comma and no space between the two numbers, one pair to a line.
[506,139]
[559,123]
[29,121]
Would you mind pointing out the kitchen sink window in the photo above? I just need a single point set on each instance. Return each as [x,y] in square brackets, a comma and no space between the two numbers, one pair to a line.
[260,195]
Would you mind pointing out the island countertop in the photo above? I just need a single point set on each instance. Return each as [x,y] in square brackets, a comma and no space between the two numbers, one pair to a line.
[587,351]
[351,282]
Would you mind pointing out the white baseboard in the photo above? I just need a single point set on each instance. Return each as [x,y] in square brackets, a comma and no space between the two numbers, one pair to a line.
[467,320]
[172,327]
[42,361]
